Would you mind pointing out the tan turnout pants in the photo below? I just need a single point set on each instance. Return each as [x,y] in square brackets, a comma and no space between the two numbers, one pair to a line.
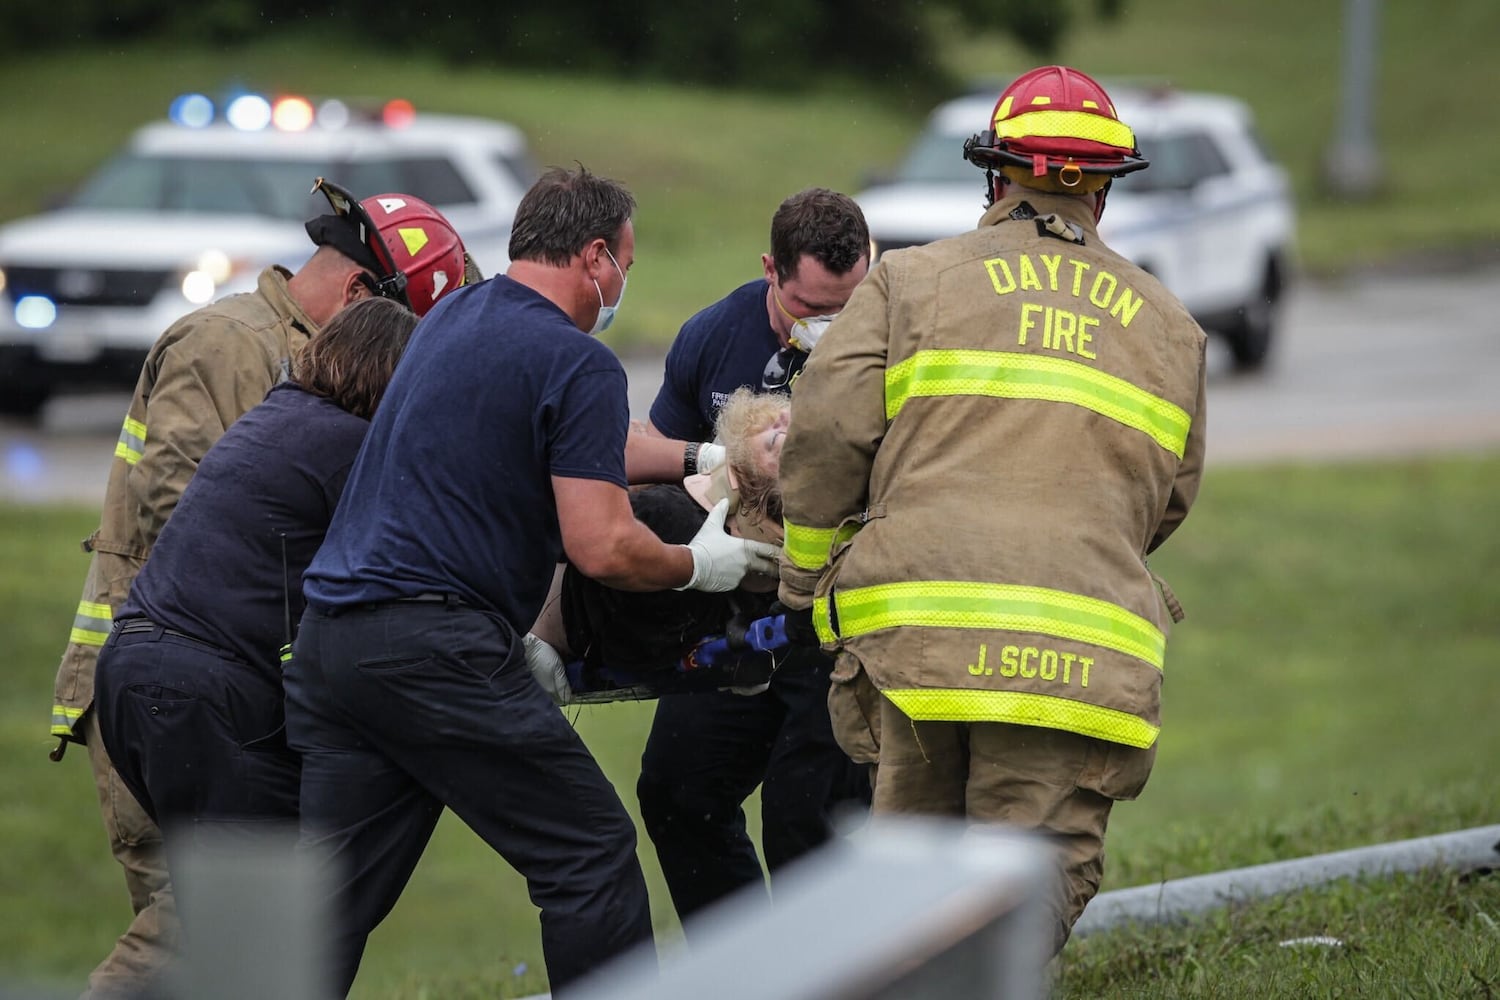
[1056,783]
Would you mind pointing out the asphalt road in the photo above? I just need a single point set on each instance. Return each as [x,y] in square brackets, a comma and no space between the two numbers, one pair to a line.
[1380,364]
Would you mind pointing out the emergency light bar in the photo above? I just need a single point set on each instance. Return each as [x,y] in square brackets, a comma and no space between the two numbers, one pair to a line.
[251,112]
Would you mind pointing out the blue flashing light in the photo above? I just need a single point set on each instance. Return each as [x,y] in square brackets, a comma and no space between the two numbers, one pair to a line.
[24,464]
[35,312]
[192,110]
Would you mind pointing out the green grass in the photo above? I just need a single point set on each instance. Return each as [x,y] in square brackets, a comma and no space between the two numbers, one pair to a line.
[1332,686]
[710,166]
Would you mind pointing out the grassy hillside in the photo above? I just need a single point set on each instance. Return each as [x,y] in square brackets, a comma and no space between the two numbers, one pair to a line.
[1331,687]
[710,166]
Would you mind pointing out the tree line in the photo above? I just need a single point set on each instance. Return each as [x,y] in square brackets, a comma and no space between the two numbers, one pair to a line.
[784,45]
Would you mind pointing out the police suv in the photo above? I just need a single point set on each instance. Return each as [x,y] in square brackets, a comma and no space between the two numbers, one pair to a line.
[1212,218]
[196,206]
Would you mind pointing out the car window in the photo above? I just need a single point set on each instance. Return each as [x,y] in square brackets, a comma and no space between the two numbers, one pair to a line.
[937,158]
[278,189]
[1207,159]
[519,167]
[1179,161]
[274,188]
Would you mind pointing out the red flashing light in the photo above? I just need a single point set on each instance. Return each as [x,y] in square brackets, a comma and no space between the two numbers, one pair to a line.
[398,113]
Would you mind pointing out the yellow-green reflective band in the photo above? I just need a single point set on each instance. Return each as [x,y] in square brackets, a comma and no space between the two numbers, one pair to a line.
[132,441]
[64,719]
[968,705]
[91,624]
[1066,125]
[1007,375]
[1001,607]
[286,652]
[807,548]
[821,624]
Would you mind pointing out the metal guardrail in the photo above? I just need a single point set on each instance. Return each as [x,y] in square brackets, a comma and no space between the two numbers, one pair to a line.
[1178,899]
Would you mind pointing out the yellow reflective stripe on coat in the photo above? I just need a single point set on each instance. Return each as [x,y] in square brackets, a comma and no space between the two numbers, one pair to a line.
[132,441]
[1008,375]
[968,705]
[806,548]
[91,624]
[998,606]
[65,719]
[809,548]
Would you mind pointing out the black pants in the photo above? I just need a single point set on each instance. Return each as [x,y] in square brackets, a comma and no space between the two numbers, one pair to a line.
[196,734]
[704,757]
[401,709]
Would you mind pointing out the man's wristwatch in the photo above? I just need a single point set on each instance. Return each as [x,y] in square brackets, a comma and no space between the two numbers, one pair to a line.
[690,459]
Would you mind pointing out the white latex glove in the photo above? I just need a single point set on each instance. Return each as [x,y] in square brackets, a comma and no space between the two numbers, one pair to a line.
[547,667]
[710,456]
[720,560]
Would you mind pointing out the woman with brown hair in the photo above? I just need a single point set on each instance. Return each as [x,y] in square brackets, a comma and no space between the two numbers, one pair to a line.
[189,682]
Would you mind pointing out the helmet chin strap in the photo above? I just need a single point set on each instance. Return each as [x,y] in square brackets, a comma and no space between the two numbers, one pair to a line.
[1099,197]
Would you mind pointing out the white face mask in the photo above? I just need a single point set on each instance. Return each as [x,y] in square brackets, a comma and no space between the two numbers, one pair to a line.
[607,313]
[804,333]
[807,332]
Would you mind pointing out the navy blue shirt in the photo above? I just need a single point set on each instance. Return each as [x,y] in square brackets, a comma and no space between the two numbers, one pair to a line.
[497,392]
[718,350]
[219,571]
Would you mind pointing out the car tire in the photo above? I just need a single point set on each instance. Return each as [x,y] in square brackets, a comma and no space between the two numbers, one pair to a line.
[22,400]
[1254,326]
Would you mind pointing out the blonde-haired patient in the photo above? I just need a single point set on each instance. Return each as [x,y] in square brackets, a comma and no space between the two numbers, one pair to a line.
[648,632]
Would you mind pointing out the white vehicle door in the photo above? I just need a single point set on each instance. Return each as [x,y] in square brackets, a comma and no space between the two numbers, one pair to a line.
[1227,259]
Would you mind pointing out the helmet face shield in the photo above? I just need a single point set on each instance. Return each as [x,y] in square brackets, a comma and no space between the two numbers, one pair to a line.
[414,253]
[389,282]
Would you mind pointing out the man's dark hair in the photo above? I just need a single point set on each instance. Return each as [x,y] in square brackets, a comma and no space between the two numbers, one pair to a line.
[820,222]
[351,360]
[564,211]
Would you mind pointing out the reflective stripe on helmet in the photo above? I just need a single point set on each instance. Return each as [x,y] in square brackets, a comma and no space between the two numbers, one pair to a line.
[1006,375]
[1066,125]
[970,705]
[973,604]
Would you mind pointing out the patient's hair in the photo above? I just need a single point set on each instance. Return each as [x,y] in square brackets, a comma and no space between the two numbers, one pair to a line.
[352,358]
[745,415]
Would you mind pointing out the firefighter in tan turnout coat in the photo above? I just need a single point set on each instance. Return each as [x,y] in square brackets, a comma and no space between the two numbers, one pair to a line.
[204,373]
[983,450]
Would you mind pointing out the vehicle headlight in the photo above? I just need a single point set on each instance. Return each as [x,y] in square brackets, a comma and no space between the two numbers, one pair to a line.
[35,312]
[212,270]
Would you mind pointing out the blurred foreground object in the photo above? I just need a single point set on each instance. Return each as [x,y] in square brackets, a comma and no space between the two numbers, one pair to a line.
[903,908]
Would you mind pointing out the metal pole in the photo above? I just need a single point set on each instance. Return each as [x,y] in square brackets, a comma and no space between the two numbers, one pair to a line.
[1351,167]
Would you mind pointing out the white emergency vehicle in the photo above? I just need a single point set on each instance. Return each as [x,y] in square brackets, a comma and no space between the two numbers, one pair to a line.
[195,206]
[1212,217]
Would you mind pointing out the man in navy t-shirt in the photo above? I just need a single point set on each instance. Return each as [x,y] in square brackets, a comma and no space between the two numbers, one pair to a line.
[498,447]
[707,752]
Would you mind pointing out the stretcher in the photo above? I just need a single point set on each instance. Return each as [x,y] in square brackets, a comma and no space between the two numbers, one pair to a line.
[743,657]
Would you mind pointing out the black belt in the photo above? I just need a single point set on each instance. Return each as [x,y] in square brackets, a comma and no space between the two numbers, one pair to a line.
[451,599]
[447,600]
[130,625]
